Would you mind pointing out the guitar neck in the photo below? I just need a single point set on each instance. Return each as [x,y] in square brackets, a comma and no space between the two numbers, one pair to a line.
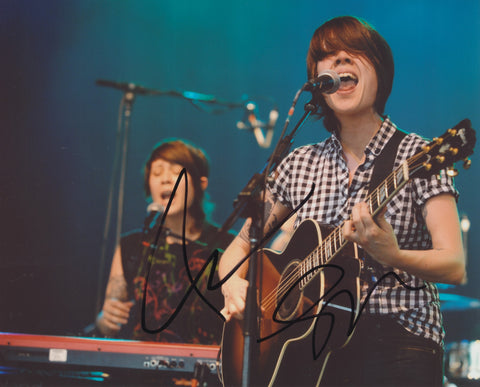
[335,242]
[386,190]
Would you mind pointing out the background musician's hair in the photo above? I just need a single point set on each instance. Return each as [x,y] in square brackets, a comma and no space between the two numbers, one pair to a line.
[194,160]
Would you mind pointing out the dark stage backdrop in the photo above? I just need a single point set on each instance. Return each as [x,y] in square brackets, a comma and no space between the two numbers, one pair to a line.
[59,128]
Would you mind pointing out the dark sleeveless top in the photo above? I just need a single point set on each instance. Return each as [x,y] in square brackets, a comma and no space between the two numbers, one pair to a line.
[173,309]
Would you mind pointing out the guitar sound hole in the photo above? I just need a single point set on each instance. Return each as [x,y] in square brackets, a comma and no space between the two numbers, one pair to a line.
[290,295]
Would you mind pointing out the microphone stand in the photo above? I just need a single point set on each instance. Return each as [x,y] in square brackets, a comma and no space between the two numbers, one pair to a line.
[250,204]
[121,152]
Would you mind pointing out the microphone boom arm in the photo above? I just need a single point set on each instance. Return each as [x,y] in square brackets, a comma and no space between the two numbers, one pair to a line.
[187,95]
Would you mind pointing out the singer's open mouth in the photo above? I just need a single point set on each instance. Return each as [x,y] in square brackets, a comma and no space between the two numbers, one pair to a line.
[348,81]
[166,195]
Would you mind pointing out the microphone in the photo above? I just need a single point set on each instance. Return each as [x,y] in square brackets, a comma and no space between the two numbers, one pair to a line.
[155,211]
[328,82]
[154,206]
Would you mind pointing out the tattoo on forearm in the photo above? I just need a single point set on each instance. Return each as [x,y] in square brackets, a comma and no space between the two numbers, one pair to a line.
[117,288]
[272,224]
[270,219]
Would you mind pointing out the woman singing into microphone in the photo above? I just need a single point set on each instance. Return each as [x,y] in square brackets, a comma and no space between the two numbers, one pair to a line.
[168,278]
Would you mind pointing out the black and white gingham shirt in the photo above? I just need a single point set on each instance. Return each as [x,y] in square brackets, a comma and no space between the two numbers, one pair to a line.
[333,200]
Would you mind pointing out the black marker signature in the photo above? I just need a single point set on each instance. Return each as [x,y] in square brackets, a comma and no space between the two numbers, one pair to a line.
[214,257]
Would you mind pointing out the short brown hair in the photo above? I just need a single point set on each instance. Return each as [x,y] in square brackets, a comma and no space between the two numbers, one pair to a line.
[193,159]
[357,37]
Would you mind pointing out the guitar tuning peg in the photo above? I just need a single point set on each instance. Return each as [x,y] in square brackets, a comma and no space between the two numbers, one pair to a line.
[440,159]
[438,140]
[427,166]
[453,151]
[467,163]
[452,132]
[452,172]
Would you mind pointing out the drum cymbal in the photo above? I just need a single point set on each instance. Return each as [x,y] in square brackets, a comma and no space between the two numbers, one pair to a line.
[455,302]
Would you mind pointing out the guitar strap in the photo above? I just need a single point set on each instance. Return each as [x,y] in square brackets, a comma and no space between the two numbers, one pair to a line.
[383,165]
[385,160]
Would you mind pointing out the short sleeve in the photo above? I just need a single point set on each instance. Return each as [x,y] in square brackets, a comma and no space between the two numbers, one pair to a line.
[279,182]
[426,188]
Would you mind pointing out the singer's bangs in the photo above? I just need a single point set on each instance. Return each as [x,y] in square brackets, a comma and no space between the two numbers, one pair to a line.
[179,152]
[177,155]
[349,34]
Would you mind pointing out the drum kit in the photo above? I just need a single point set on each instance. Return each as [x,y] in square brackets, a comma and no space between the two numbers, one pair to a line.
[462,324]
[462,356]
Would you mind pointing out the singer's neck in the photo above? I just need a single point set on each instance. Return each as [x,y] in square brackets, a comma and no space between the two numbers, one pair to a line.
[357,130]
[175,224]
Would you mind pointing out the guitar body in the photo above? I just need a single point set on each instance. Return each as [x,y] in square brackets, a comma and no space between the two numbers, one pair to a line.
[314,319]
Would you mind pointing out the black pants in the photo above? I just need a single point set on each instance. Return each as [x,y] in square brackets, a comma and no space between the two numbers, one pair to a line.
[382,353]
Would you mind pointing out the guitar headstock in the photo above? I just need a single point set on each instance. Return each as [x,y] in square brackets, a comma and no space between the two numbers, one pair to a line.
[443,152]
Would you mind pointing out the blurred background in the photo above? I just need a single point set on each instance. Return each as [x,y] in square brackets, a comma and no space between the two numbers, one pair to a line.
[59,128]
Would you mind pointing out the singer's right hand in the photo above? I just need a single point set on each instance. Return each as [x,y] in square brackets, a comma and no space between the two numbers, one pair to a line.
[235,293]
[114,314]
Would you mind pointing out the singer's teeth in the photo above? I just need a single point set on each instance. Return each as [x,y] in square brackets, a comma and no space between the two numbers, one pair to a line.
[348,80]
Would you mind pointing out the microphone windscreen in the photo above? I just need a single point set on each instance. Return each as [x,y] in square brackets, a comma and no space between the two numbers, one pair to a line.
[155,207]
